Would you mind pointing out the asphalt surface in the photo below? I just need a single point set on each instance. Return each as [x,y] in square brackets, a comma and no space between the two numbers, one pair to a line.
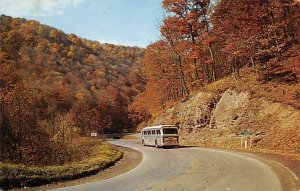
[189,168]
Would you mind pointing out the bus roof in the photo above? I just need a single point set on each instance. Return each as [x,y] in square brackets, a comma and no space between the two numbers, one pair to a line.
[158,127]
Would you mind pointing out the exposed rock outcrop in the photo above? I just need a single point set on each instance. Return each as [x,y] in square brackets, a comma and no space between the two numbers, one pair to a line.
[218,119]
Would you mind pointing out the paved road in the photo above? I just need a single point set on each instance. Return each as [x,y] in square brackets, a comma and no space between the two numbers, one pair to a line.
[188,169]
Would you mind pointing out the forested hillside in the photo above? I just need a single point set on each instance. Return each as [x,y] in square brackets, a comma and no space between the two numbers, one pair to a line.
[225,69]
[204,41]
[55,87]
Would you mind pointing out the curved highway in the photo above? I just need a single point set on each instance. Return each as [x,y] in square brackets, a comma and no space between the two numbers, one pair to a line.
[189,169]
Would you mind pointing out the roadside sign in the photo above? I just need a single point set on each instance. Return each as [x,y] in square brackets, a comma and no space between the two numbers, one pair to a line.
[247,136]
[93,134]
[246,132]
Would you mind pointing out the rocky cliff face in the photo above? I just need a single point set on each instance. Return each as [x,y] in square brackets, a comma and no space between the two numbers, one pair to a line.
[218,120]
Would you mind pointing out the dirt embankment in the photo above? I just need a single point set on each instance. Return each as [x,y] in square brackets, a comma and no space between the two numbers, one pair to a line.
[217,119]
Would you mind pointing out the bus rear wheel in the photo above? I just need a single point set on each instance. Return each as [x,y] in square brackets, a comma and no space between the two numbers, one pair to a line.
[156,145]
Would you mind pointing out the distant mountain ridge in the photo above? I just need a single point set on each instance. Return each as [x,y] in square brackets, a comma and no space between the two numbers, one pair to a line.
[57,86]
[35,46]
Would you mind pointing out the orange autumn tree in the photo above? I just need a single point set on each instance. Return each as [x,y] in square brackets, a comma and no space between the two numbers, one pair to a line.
[190,21]
[163,78]
[18,118]
[258,32]
[184,59]
[203,41]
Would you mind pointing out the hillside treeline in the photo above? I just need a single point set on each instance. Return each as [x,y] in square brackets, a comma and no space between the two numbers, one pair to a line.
[56,87]
[203,41]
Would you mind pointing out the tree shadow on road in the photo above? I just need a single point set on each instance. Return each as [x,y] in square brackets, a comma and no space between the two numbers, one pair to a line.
[177,147]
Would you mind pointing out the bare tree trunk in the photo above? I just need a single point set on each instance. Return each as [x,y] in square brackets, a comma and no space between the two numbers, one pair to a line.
[213,67]
[1,130]
[53,124]
[196,69]
[185,91]
[19,135]
[253,64]
[182,76]
[180,64]
[236,68]
[273,22]
[194,43]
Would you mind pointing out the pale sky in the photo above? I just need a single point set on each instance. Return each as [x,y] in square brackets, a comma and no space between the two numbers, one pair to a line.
[126,22]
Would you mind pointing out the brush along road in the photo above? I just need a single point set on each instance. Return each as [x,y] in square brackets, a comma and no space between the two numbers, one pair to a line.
[190,168]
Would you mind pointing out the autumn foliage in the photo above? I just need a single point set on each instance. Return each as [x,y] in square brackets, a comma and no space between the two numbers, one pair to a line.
[203,41]
[56,87]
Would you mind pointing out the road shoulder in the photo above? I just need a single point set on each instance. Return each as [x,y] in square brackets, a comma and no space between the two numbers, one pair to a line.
[287,169]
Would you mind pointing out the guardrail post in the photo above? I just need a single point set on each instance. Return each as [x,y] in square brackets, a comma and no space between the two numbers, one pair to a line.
[241,141]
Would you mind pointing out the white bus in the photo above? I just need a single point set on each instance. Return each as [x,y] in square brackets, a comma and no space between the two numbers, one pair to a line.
[160,136]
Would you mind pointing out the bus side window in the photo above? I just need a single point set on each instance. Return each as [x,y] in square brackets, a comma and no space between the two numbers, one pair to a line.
[153,132]
[158,132]
[149,132]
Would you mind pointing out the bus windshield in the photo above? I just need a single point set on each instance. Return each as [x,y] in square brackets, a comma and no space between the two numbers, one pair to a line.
[170,131]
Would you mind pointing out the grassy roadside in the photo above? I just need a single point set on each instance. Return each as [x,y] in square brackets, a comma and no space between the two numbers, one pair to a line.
[12,176]
[131,158]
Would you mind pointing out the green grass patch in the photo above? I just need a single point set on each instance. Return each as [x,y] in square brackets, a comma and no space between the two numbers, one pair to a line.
[12,176]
